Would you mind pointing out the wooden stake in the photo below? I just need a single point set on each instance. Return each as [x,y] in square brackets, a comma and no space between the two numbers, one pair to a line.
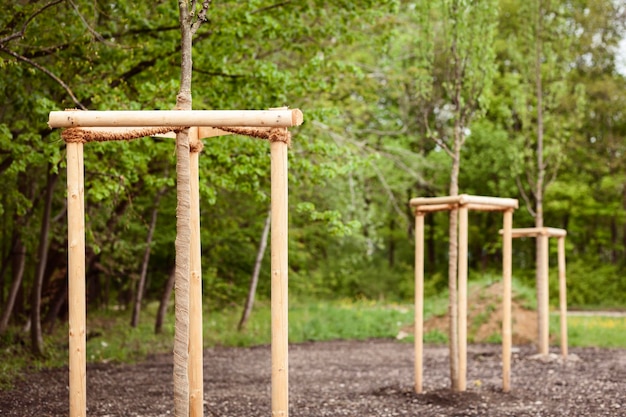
[76,279]
[507,334]
[184,118]
[544,320]
[279,265]
[419,301]
[562,295]
[196,406]
[462,301]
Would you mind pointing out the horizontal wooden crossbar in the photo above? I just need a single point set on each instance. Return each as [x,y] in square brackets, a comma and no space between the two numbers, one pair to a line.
[179,118]
[537,231]
[472,202]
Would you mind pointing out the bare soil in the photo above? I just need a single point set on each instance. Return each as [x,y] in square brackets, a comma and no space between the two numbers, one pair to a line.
[357,378]
[345,378]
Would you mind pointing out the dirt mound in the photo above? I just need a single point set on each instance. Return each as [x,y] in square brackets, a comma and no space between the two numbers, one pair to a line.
[484,318]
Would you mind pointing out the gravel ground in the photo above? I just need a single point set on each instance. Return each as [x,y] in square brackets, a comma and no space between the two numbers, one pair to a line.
[345,378]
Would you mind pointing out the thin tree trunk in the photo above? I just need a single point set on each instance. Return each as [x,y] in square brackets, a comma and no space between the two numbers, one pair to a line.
[53,313]
[183,231]
[5,264]
[19,261]
[190,21]
[146,260]
[391,254]
[453,226]
[36,336]
[165,300]
[255,273]
[452,269]
[540,173]
[623,248]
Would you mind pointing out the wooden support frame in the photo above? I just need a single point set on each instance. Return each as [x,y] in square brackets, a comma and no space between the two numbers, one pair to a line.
[462,203]
[202,124]
[543,234]
[185,118]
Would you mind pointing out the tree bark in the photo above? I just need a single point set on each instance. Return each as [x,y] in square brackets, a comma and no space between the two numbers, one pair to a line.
[454,215]
[59,299]
[391,254]
[255,273]
[190,20]
[5,265]
[36,336]
[540,174]
[453,266]
[19,261]
[165,300]
[146,260]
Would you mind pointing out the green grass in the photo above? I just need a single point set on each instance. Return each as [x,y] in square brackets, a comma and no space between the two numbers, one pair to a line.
[597,331]
[341,319]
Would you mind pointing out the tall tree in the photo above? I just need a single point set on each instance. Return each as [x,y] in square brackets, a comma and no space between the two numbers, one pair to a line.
[546,105]
[464,55]
[192,15]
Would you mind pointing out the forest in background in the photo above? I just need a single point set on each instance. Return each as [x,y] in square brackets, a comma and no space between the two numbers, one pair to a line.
[376,82]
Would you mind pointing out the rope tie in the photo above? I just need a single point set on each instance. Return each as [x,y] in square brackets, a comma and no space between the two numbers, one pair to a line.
[196,147]
[280,135]
[78,135]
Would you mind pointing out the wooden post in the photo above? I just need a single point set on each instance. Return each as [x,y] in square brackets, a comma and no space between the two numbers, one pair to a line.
[462,301]
[419,301]
[196,406]
[562,296]
[279,265]
[507,334]
[544,320]
[76,279]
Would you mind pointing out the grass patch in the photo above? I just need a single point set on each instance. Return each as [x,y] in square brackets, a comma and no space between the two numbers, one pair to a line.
[343,319]
[591,331]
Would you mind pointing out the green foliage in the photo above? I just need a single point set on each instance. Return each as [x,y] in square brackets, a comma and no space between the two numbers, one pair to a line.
[591,285]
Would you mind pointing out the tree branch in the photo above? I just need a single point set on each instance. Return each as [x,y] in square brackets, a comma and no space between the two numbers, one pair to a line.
[30,52]
[531,181]
[201,15]
[529,205]
[91,30]
[439,142]
[45,71]
[22,31]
